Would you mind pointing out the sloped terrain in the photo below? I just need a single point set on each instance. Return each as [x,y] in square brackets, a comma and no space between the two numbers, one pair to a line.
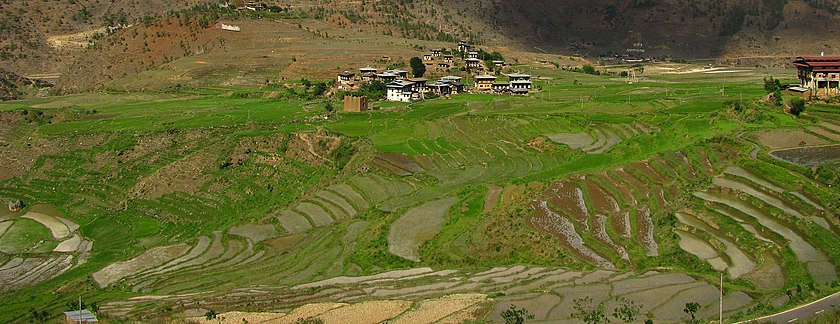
[200,200]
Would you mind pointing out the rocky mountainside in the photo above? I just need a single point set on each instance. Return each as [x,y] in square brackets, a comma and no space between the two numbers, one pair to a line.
[31,31]
[68,41]
[682,28]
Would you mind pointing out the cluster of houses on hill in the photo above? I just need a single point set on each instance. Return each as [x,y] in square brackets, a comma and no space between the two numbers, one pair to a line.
[400,87]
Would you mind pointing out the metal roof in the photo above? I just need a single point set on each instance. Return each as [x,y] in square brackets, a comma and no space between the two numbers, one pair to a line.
[519,75]
[83,316]
[485,76]
[399,84]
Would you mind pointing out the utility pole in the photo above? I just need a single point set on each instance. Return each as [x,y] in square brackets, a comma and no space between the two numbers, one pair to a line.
[80,309]
[720,318]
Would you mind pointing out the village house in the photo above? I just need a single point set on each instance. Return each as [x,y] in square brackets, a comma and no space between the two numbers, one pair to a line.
[401,74]
[400,91]
[368,74]
[454,83]
[427,57]
[451,78]
[472,55]
[437,52]
[484,82]
[473,63]
[448,58]
[443,66]
[820,74]
[499,64]
[419,85]
[440,89]
[386,77]
[520,83]
[345,79]
[464,47]
[501,87]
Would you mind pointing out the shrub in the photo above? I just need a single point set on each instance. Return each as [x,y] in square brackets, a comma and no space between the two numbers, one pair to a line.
[797,106]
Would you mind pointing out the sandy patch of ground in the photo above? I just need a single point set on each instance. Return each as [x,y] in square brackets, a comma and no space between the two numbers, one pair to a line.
[434,310]
[784,138]
[366,312]
[417,226]
[149,259]
[240,317]
[254,232]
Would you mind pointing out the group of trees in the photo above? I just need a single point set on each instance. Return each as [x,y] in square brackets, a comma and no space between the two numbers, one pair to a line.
[774,86]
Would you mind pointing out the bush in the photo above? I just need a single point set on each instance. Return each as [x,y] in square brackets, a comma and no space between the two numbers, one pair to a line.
[797,106]
[772,85]
[589,69]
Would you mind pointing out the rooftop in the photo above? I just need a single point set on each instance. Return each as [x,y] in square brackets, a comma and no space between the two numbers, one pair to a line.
[399,84]
[519,75]
[485,77]
[80,316]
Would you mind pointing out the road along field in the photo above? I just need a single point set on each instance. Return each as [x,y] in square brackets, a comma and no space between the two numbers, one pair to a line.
[262,208]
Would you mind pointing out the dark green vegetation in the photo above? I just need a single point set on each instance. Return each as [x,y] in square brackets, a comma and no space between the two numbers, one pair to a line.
[143,170]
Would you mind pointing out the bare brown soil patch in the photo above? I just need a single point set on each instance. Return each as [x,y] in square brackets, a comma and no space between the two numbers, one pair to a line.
[568,197]
[601,201]
[312,148]
[185,175]
[544,219]
[785,138]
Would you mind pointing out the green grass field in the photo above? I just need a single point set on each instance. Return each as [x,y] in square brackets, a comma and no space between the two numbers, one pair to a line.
[149,169]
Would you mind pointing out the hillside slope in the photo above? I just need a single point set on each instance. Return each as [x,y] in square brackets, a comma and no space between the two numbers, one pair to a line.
[684,28]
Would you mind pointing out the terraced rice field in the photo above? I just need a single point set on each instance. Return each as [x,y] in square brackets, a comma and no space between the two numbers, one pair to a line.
[445,210]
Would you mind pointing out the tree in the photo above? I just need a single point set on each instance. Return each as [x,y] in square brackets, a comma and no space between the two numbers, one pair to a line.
[691,309]
[797,106]
[589,69]
[627,310]
[772,85]
[210,315]
[417,67]
[587,313]
[329,107]
[516,315]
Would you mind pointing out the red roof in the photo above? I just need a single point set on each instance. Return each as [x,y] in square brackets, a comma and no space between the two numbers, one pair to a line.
[820,58]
